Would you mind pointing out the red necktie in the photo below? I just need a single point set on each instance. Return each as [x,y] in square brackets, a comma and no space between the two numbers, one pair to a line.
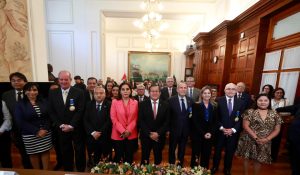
[154,109]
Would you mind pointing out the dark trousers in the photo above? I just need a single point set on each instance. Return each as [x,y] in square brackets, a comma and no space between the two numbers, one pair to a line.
[181,141]
[5,151]
[276,145]
[98,149]
[229,143]
[124,150]
[57,148]
[18,141]
[201,151]
[149,144]
[70,143]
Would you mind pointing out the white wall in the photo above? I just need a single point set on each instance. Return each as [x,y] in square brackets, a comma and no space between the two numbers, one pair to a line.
[37,32]
[77,41]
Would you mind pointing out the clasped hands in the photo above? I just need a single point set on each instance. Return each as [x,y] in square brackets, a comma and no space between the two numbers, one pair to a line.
[125,134]
[227,132]
[154,136]
[96,134]
[262,141]
[41,133]
[66,128]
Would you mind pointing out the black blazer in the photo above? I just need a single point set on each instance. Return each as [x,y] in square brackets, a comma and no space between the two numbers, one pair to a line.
[229,121]
[165,93]
[60,112]
[199,126]
[87,96]
[28,120]
[175,112]
[146,118]
[247,99]
[92,122]
[9,97]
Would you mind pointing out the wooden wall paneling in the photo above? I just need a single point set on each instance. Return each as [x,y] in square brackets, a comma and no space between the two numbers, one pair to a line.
[240,59]
[260,55]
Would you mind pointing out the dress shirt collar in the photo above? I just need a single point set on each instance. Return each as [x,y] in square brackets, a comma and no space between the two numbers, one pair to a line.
[16,91]
[63,90]
[232,99]
[157,101]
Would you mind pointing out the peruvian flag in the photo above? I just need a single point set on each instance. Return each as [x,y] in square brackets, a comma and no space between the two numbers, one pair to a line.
[124,77]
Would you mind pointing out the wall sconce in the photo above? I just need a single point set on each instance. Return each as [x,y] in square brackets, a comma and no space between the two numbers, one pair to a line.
[215,59]
[242,35]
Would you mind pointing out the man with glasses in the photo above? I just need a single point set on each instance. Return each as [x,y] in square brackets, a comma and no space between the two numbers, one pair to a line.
[140,93]
[229,123]
[192,92]
[168,91]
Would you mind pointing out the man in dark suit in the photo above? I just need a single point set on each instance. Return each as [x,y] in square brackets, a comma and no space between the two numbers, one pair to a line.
[168,91]
[10,98]
[229,124]
[293,137]
[180,113]
[140,93]
[192,92]
[97,124]
[241,94]
[154,123]
[66,106]
[89,92]
[89,96]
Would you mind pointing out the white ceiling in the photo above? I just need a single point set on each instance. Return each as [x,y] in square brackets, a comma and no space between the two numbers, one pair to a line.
[185,17]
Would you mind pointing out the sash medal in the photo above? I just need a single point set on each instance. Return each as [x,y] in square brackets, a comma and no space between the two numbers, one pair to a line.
[236,119]
[72,107]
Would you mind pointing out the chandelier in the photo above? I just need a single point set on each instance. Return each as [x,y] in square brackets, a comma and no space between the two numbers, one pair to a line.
[151,23]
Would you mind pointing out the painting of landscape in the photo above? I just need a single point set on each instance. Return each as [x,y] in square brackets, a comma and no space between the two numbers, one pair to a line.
[154,66]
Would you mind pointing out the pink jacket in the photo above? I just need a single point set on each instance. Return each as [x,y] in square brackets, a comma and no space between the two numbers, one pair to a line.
[119,121]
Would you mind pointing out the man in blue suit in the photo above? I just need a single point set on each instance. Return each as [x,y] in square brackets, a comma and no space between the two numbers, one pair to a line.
[229,124]
[180,113]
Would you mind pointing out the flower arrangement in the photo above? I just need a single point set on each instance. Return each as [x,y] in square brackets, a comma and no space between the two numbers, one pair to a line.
[137,169]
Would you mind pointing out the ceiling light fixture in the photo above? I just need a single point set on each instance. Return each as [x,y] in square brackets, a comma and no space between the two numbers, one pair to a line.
[151,23]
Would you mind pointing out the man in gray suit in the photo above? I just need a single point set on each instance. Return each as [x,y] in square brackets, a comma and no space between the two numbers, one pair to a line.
[192,92]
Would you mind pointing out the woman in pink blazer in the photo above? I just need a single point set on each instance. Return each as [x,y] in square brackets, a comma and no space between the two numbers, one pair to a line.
[124,116]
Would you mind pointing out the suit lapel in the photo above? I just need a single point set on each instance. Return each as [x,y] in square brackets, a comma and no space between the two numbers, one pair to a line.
[60,99]
[235,106]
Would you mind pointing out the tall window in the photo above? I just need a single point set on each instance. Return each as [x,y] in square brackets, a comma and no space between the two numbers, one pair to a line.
[281,69]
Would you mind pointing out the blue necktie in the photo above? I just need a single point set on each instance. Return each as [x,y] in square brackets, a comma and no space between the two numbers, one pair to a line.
[191,92]
[229,106]
[98,108]
[183,108]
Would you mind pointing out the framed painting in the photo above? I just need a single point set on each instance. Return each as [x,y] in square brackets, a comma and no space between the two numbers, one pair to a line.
[154,66]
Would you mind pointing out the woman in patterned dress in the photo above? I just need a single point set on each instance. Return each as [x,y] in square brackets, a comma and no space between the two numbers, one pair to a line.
[32,117]
[261,125]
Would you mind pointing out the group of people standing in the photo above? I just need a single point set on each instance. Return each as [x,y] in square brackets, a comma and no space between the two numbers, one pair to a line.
[103,118]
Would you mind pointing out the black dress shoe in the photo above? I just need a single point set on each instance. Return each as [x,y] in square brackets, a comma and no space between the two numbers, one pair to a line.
[213,170]
[227,172]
